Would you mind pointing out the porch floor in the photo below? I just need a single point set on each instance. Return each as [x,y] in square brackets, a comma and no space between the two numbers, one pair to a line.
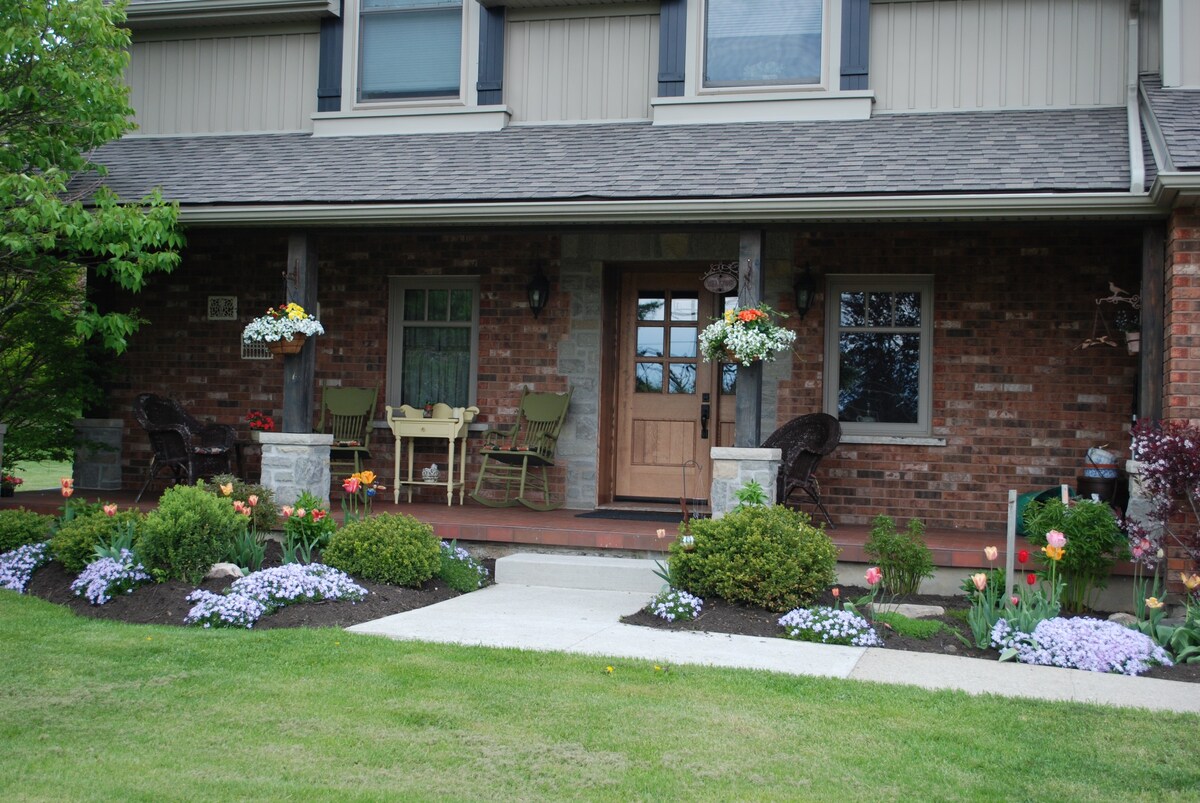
[504,530]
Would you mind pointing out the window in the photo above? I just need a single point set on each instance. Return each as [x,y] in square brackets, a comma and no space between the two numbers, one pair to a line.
[410,49]
[879,354]
[667,342]
[757,42]
[433,340]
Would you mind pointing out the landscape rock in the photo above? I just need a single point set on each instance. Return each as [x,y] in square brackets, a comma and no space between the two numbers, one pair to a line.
[1122,618]
[911,611]
[222,571]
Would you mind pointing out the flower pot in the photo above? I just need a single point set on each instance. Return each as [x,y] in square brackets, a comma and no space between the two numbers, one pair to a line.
[6,490]
[292,346]
[1133,342]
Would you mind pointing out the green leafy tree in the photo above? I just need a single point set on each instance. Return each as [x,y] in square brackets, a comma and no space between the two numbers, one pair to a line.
[61,97]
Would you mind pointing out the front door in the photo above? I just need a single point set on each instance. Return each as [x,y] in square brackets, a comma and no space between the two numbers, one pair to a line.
[672,406]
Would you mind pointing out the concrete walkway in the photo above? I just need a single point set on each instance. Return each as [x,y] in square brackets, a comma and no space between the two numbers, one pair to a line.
[587,621]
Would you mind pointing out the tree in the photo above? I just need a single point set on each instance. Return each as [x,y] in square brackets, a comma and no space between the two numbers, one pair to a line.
[61,97]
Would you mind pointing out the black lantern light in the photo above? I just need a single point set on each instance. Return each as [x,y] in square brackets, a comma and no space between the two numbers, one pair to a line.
[806,291]
[538,290]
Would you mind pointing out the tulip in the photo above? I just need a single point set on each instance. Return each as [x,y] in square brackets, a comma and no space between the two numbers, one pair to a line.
[351,485]
[1190,582]
[990,552]
[1153,603]
[67,482]
[874,575]
[980,580]
[837,592]
[1031,579]
[1015,600]
[367,477]
[1023,556]
[110,510]
[252,499]
[287,511]
[1053,552]
[300,512]
[1056,539]
[660,533]
[227,489]
[66,492]
[317,514]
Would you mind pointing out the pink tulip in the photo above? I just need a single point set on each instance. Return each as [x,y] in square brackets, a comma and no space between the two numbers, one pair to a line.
[990,552]
[980,581]
[252,500]
[287,511]
[1015,600]
[351,485]
[1056,539]
[300,512]
[110,510]
[874,575]
[837,592]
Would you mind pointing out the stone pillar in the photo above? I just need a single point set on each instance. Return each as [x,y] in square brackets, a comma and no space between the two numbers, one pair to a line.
[733,467]
[97,464]
[293,463]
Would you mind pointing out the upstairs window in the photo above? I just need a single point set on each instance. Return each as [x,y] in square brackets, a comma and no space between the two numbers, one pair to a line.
[410,49]
[761,42]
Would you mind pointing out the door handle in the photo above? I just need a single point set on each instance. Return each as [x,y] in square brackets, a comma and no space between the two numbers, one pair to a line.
[705,414]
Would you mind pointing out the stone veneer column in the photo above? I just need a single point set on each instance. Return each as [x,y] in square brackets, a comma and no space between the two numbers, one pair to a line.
[293,463]
[732,468]
[98,453]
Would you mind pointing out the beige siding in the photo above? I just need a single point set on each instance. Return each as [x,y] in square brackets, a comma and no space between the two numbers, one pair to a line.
[224,84]
[1189,53]
[983,54]
[581,68]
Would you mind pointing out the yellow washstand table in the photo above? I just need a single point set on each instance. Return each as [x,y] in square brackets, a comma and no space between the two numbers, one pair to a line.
[445,422]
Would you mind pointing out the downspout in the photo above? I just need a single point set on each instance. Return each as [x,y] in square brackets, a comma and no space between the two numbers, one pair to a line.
[1137,165]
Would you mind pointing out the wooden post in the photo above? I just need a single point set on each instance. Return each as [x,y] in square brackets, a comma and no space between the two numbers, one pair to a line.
[299,370]
[1150,358]
[751,285]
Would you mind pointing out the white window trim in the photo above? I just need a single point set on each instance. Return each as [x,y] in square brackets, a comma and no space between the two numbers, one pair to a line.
[468,95]
[834,286]
[395,340]
[831,57]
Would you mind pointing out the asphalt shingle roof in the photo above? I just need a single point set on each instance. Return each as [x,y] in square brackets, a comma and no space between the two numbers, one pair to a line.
[1061,150]
[1177,112]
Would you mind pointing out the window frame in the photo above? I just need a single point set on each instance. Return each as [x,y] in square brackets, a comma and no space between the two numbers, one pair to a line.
[397,285]
[821,82]
[834,287]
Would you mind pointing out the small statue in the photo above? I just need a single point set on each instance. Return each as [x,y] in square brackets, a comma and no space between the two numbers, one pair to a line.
[430,474]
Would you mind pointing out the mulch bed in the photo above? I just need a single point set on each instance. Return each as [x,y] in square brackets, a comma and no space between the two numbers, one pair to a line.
[719,616]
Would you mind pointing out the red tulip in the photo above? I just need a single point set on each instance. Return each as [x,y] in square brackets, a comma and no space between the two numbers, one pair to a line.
[1022,556]
[1031,579]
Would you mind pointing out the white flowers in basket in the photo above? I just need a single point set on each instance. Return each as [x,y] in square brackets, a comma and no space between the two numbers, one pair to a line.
[282,323]
[745,335]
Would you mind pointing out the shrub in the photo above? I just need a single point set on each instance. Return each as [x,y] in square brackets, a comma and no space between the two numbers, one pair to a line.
[20,527]
[459,570]
[189,531]
[389,548]
[767,556]
[74,545]
[1094,543]
[265,514]
[902,556]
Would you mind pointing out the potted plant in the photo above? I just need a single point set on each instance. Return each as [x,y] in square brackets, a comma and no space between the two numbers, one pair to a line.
[8,484]
[1129,322]
[283,329]
[745,335]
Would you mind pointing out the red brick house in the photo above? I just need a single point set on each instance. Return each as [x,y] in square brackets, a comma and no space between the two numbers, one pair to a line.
[962,181]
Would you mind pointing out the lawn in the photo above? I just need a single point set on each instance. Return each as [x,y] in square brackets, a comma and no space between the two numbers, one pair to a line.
[42,476]
[104,710]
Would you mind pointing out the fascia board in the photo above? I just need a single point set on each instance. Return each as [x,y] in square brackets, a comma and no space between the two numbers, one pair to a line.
[941,208]
[157,13]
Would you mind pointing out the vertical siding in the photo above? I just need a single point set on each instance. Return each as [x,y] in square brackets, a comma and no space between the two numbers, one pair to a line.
[978,54]
[224,84]
[1150,37]
[582,68]
[1189,53]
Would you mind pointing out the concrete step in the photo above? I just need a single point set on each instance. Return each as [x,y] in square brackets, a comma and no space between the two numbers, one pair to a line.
[578,571]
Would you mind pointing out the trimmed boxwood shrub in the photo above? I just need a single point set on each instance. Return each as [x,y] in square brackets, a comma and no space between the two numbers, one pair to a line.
[20,527]
[767,556]
[388,548]
[187,533]
[74,545]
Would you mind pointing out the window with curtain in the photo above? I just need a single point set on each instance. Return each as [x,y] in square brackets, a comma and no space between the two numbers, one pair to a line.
[879,357]
[410,49]
[432,342]
[758,42]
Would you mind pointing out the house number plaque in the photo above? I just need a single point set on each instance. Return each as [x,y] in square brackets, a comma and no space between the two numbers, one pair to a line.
[721,277]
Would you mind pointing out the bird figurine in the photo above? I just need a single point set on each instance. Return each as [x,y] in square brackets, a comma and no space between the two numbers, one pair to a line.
[431,473]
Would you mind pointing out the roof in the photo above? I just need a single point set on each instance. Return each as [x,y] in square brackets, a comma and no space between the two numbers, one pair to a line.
[1050,151]
[1176,112]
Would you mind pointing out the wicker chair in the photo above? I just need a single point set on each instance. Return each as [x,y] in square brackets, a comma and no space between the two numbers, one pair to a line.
[183,446]
[804,441]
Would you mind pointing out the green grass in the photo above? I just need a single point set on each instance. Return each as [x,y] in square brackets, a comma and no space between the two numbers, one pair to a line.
[913,628]
[42,476]
[104,710]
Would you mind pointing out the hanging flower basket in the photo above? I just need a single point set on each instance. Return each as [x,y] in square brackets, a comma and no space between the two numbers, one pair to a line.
[283,330]
[745,335]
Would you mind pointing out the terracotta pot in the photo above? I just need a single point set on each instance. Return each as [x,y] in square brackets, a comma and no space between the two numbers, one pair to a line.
[292,346]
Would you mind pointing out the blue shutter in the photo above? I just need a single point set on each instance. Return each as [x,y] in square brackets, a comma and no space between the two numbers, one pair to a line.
[329,69]
[672,46]
[491,56]
[856,38]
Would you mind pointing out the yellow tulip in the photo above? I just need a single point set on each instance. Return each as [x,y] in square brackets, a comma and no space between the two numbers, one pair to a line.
[367,477]
[227,488]
[1190,582]
[1154,603]
[1054,552]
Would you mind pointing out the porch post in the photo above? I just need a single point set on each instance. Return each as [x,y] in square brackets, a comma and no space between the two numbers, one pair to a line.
[751,286]
[300,369]
[1150,358]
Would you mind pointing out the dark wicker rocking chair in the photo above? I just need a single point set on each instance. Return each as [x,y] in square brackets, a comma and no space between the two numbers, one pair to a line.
[183,446]
[804,441]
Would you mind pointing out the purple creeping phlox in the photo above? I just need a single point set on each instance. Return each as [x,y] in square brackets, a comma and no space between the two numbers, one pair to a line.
[260,593]
[1081,643]
[829,626]
[455,552]
[106,577]
[674,604]
[17,566]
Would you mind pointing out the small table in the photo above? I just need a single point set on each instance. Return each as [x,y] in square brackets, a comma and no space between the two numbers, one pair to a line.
[446,422]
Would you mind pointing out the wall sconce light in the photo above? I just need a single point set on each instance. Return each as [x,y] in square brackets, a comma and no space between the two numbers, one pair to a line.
[538,290]
[806,291]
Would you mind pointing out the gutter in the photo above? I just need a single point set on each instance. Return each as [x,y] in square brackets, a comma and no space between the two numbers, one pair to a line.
[157,13]
[1028,206]
[1137,166]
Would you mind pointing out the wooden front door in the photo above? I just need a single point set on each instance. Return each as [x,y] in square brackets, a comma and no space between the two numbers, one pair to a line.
[672,406]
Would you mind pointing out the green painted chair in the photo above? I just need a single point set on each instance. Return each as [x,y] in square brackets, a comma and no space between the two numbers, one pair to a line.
[346,415]
[516,459]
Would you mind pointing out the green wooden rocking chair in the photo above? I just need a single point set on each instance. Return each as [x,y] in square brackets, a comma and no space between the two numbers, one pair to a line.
[517,458]
[346,414]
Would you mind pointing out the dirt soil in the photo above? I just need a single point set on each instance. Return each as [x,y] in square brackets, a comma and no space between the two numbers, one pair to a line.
[719,616]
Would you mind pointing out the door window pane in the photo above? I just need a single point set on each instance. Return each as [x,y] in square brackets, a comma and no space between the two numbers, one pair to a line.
[651,308]
[749,42]
[683,378]
[685,307]
[684,341]
[728,378]
[650,341]
[649,377]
